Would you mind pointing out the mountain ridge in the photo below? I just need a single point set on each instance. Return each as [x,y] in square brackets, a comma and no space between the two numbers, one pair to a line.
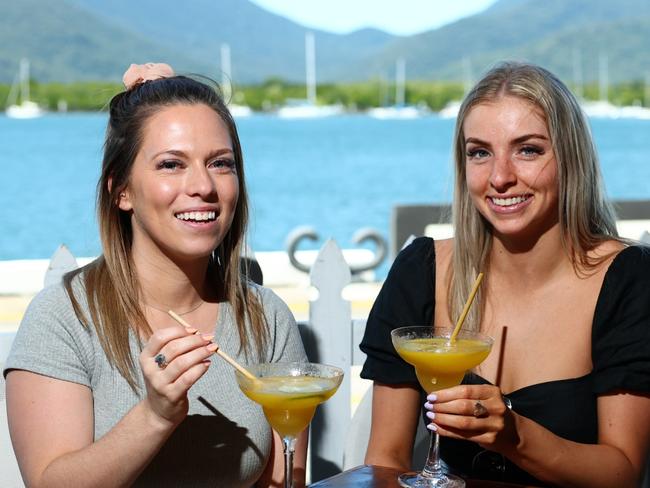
[76,40]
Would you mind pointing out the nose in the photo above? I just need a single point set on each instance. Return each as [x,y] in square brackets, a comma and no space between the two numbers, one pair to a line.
[502,176]
[200,182]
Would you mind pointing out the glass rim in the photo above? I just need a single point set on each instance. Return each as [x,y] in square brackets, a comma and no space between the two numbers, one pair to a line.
[288,364]
[433,329]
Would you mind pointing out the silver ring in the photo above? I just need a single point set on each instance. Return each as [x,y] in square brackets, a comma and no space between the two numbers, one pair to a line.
[506,401]
[161,360]
[479,410]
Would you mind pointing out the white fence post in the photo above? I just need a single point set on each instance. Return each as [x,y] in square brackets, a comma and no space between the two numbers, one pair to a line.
[329,341]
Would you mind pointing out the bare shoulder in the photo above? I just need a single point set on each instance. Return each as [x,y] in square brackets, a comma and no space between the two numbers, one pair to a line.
[444,250]
[605,252]
[610,246]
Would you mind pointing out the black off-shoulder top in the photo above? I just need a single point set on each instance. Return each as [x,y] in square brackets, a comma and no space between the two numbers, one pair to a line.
[620,354]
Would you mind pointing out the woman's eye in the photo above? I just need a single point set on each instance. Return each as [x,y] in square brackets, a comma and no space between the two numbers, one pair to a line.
[223,164]
[477,153]
[168,164]
[531,151]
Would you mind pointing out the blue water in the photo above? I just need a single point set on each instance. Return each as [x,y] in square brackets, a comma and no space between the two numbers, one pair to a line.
[336,175]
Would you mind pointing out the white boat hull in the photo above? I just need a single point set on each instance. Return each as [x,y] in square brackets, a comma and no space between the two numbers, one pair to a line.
[26,110]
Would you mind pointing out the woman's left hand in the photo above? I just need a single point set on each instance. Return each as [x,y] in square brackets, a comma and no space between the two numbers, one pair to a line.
[475,413]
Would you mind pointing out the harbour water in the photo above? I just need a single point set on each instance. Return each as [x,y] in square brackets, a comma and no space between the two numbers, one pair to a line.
[335,174]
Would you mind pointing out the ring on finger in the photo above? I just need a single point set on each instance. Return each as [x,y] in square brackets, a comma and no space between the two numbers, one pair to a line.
[479,410]
[161,360]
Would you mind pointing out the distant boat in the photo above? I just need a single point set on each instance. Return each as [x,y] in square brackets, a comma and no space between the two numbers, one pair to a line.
[450,111]
[400,110]
[236,110]
[19,106]
[307,108]
[603,108]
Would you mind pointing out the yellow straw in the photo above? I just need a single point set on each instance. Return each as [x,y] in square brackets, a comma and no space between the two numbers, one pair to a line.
[468,304]
[221,353]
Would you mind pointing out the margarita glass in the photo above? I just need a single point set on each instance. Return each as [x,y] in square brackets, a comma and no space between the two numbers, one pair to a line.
[289,394]
[439,363]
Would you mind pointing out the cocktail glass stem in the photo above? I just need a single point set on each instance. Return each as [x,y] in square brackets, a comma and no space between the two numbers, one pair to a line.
[433,467]
[289,444]
[433,475]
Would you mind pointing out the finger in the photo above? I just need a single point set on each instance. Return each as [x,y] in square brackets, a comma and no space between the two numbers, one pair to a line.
[467,435]
[162,336]
[171,350]
[475,392]
[179,388]
[186,361]
[455,407]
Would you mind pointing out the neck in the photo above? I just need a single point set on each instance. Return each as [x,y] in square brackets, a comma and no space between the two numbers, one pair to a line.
[170,285]
[532,260]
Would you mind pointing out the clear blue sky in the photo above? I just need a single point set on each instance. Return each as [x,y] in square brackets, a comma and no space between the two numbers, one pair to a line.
[401,17]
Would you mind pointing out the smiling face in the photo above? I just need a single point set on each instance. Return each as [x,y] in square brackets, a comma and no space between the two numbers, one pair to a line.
[511,170]
[183,187]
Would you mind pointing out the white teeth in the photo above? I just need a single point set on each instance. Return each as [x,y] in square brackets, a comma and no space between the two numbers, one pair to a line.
[506,202]
[197,216]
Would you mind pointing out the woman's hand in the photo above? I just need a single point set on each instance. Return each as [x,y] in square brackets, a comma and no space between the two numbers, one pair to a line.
[172,361]
[475,413]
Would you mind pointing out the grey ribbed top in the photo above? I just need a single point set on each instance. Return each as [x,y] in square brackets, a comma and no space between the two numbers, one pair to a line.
[225,439]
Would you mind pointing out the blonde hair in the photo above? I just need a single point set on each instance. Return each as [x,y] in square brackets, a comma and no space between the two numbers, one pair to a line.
[585,215]
[111,284]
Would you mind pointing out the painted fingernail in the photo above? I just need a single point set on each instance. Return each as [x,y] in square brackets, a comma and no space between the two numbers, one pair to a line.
[207,337]
[191,330]
[431,415]
[428,406]
[212,347]
[432,427]
[432,397]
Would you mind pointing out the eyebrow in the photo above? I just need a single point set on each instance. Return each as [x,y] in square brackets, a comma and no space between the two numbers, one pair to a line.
[180,153]
[518,140]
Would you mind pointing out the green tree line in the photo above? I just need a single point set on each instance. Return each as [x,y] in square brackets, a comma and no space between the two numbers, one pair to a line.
[94,96]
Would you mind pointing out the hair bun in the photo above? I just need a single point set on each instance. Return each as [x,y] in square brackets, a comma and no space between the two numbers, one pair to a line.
[139,73]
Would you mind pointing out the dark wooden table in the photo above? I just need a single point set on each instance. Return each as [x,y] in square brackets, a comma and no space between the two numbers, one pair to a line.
[367,476]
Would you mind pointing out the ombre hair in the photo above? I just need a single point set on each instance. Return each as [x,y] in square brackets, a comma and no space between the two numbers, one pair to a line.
[111,284]
[585,215]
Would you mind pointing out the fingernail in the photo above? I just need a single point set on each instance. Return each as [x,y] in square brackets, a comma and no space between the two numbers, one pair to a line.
[212,347]
[432,427]
[428,406]
[431,415]
[191,330]
[207,337]
[432,397]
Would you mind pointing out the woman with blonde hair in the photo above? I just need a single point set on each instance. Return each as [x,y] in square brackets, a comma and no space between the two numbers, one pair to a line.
[172,211]
[563,396]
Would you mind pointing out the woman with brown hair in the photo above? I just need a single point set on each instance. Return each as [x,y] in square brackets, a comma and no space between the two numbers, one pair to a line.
[172,211]
[563,399]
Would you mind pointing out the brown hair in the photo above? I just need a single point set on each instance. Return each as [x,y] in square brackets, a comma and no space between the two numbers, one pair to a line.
[585,215]
[111,285]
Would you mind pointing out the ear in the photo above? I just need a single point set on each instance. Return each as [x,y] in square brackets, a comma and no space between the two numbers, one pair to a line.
[124,200]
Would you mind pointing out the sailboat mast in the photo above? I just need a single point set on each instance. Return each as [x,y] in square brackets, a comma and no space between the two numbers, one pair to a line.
[310,65]
[24,79]
[603,75]
[577,73]
[400,82]
[226,72]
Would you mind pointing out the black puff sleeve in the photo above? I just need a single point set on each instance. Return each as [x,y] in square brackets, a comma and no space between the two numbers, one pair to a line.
[621,329]
[406,298]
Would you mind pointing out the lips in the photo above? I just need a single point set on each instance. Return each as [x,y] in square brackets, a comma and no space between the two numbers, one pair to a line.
[197,216]
[508,201]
